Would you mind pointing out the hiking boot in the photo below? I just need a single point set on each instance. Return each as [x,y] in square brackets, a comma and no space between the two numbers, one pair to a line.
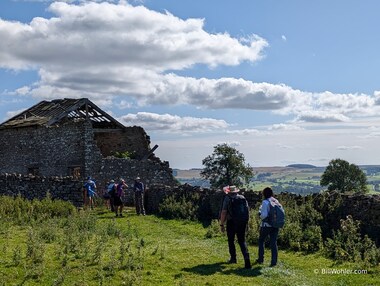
[258,261]
[272,264]
[232,261]
[247,264]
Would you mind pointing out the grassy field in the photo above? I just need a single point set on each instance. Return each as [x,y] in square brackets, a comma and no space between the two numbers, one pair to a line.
[146,250]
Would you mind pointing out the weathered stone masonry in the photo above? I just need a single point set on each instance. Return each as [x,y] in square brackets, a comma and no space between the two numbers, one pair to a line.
[73,137]
[33,187]
[56,150]
[52,150]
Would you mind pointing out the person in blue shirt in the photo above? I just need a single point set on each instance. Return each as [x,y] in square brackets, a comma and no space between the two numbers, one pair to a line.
[90,191]
[110,194]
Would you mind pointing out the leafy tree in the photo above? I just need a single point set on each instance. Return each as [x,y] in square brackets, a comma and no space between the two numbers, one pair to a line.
[225,166]
[345,177]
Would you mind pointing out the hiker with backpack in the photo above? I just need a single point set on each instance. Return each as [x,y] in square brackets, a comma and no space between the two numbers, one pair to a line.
[139,188]
[117,200]
[235,214]
[272,219]
[89,191]
[111,190]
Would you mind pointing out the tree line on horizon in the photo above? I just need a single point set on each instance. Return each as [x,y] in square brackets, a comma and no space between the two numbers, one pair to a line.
[227,166]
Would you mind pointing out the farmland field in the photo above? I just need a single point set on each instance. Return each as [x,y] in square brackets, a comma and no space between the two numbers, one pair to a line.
[297,180]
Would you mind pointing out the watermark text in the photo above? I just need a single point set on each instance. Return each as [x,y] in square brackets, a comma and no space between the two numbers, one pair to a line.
[340,271]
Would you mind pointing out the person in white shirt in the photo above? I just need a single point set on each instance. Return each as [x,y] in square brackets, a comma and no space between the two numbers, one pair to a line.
[266,229]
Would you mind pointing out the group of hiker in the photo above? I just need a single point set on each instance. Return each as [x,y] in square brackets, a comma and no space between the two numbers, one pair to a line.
[234,217]
[114,195]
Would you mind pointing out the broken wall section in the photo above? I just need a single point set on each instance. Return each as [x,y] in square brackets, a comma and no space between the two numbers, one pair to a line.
[150,171]
[131,139]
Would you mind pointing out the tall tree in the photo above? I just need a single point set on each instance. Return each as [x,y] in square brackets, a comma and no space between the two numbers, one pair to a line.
[225,166]
[342,176]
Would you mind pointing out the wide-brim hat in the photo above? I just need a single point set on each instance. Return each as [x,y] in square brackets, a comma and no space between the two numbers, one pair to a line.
[230,189]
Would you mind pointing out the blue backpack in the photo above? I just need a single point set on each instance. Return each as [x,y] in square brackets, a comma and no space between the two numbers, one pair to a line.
[276,217]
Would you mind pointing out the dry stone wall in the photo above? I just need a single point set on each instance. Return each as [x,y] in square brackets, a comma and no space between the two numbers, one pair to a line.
[33,187]
[150,172]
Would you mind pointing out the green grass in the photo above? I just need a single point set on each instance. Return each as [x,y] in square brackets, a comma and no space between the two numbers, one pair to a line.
[157,252]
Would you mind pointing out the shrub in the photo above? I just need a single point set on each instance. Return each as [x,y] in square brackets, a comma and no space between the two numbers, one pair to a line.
[124,154]
[253,228]
[23,211]
[290,235]
[182,207]
[35,248]
[213,230]
[312,239]
[348,245]
[302,229]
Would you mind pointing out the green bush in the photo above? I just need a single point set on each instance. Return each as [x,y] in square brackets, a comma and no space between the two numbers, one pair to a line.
[312,239]
[253,227]
[125,154]
[290,236]
[213,230]
[23,211]
[348,245]
[182,207]
[302,231]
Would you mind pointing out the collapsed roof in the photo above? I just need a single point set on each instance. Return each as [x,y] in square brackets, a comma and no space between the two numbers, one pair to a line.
[58,111]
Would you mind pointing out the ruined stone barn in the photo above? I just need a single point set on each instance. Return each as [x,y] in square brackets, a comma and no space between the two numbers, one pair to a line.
[74,137]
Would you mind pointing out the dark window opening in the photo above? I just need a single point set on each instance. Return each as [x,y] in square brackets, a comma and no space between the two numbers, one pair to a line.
[35,171]
[75,172]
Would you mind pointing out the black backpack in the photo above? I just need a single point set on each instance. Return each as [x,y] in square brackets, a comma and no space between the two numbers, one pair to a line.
[238,209]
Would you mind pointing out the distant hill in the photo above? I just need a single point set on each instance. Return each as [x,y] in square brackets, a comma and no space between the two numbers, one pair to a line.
[302,166]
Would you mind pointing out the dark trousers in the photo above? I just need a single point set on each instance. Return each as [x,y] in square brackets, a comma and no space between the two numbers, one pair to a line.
[111,204]
[139,201]
[238,229]
[273,233]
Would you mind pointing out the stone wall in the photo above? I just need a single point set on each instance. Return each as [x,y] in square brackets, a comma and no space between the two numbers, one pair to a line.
[52,150]
[55,151]
[150,171]
[32,187]
[132,139]
[68,188]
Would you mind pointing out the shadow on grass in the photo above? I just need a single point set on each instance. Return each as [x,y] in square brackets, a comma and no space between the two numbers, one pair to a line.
[254,272]
[206,269]
[210,269]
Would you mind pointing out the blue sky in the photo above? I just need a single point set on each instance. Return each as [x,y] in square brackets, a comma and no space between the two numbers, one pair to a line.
[282,81]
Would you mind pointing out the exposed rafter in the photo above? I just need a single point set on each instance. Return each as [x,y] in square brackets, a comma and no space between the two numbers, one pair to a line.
[49,113]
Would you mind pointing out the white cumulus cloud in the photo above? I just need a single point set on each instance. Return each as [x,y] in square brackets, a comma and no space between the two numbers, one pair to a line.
[173,123]
[321,116]
[113,51]
[345,148]
[283,126]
